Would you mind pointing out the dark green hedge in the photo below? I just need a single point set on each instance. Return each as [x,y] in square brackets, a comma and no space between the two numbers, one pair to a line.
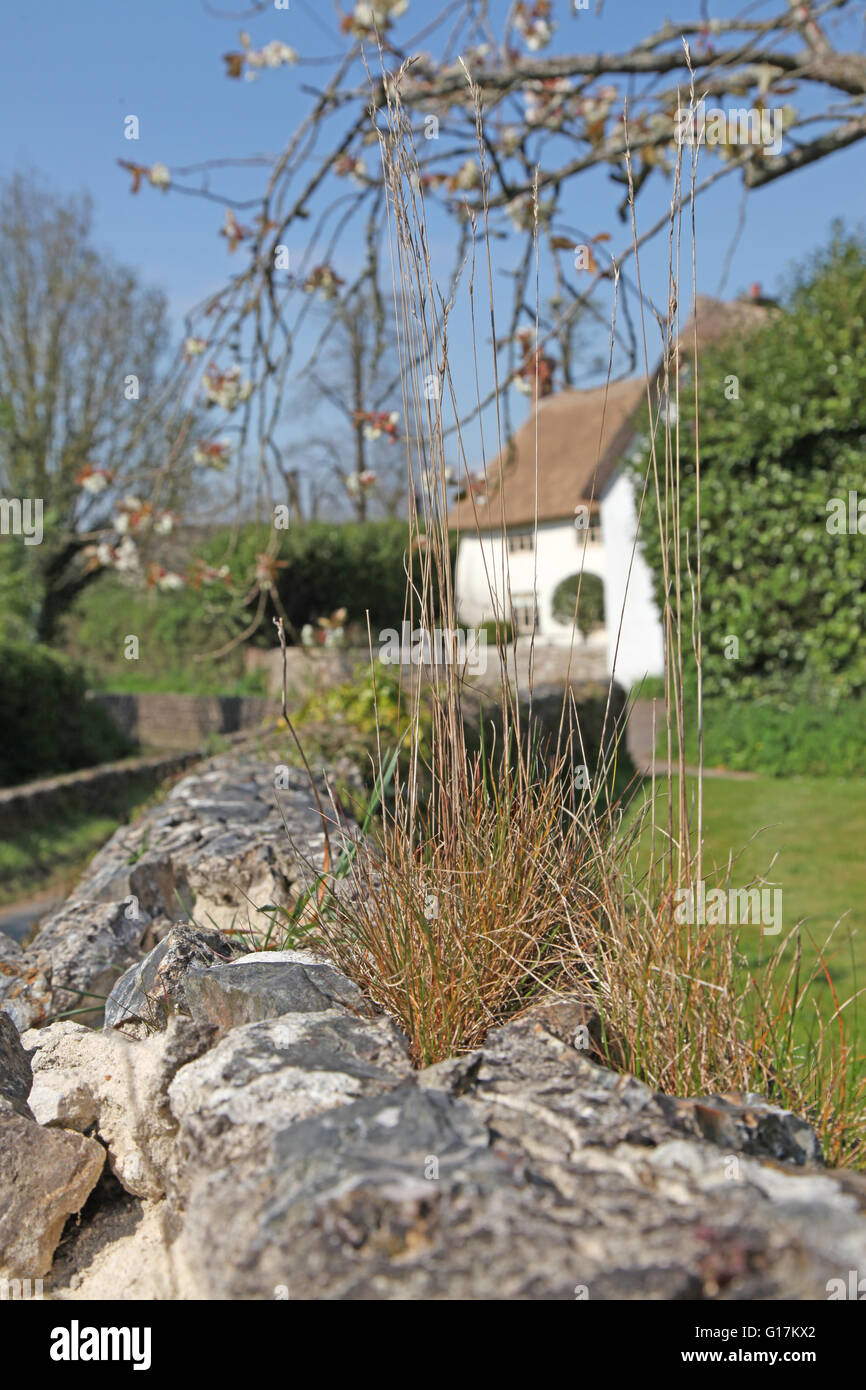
[781,448]
[323,567]
[353,565]
[48,726]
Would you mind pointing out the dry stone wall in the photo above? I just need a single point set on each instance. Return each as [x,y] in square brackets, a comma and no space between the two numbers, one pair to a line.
[249,1127]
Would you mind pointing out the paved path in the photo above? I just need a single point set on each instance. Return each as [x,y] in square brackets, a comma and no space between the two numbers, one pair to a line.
[16,919]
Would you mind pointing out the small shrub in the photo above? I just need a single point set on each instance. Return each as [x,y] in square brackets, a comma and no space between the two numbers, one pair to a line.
[355,719]
[498,633]
[48,724]
[590,611]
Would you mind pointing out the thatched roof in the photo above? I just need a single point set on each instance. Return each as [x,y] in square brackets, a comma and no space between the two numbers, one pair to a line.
[570,445]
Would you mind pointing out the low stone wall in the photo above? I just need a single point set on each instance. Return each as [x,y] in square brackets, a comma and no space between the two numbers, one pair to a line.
[319,668]
[182,721]
[90,789]
[551,664]
[270,1138]
[306,670]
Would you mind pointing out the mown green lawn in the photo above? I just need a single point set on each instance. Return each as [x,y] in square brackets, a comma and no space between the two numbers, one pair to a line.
[818,827]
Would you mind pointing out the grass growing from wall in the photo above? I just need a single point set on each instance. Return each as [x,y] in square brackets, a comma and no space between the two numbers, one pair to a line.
[510,877]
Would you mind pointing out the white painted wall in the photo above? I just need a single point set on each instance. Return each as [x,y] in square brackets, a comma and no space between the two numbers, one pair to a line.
[641,640]
[559,553]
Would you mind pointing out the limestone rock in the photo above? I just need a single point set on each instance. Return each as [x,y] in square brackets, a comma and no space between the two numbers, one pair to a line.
[263,1076]
[523,1171]
[748,1124]
[45,1176]
[10,955]
[116,1087]
[222,844]
[155,986]
[73,962]
[265,985]
[16,1077]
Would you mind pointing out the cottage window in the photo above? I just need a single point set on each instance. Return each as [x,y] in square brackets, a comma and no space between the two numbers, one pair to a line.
[519,541]
[524,612]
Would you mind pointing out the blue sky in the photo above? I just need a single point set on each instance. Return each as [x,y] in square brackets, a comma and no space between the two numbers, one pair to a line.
[69,74]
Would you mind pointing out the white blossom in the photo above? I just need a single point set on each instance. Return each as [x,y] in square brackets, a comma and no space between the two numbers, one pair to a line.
[126,557]
[95,483]
[170,580]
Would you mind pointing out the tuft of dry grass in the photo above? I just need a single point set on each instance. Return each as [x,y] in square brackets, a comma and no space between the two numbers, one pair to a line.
[494,896]
[508,879]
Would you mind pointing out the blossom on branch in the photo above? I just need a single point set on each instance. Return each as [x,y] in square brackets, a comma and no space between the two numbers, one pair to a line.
[376,423]
[159,176]
[323,279]
[200,572]
[534,24]
[354,167]
[468,176]
[93,480]
[233,232]
[193,347]
[266,570]
[357,483]
[161,578]
[214,453]
[522,212]
[369,16]
[275,54]
[225,389]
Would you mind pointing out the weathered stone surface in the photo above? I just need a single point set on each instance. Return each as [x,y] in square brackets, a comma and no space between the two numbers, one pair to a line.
[232,1102]
[295,1146]
[535,1055]
[76,958]
[748,1124]
[25,991]
[16,1077]
[153,988]
[523,1171]
[10,955]
[216,849]
[220,846]
[116,1087]
[266,984]
[263,1076]
[45,1176]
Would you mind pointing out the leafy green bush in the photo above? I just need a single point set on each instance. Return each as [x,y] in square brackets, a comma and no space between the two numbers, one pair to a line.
[497,633]
[323,566]
[780,738]
[48,725]
[342,723]
[773,458]
[172,629]
[590,613]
